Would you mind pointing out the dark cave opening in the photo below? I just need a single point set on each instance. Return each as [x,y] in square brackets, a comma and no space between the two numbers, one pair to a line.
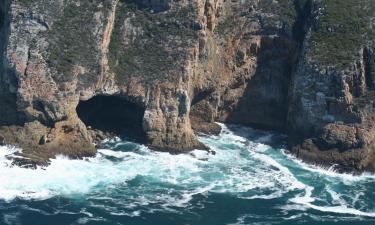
[200,96]
[113,114]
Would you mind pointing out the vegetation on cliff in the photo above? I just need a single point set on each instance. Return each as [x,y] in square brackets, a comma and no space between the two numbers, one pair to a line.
[281,16]
[72,41]
[342,29]
[155,43]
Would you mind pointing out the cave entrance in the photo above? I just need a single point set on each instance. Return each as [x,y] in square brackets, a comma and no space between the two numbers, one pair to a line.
[113,114]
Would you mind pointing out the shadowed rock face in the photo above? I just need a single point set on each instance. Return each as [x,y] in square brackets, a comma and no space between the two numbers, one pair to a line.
[182,65]
[155,5]
[7,96]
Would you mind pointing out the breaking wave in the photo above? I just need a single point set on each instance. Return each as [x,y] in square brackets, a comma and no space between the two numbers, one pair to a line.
[129,179]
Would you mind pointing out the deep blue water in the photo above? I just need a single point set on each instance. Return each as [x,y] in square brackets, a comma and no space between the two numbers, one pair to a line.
[246,182]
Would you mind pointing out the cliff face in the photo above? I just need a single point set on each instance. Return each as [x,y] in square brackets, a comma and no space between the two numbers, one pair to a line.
[59,53]
[182,65]
[331,96]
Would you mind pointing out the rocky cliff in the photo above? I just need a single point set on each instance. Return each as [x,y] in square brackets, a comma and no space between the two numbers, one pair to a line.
[331,95]
[169,69]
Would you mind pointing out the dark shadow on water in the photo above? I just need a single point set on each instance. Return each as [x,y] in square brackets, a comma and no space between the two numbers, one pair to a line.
[274,139]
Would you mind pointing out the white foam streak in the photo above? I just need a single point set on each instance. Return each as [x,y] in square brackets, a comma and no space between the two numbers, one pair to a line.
[340,210]
[242,167]
[283,172]
[307,201]
[329,172]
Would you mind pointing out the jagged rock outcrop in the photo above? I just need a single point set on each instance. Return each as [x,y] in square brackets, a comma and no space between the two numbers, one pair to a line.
[331,105]
[59,53]
[294,66]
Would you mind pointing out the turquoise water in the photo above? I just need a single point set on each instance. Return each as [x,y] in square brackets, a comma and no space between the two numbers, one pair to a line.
[246,182]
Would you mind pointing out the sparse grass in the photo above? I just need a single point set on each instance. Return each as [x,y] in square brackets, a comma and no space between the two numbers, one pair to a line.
[343,29]
[71,39]
[157,49]
[224,26]
[285,12]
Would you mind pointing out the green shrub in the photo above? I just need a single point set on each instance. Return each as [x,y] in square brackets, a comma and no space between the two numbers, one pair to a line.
[342,30]
[72,41]
[157,51]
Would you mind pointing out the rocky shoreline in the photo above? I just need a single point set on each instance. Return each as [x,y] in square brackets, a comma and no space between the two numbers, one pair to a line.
[170,68]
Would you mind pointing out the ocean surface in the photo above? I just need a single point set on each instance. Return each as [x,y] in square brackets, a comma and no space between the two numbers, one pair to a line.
[246,182]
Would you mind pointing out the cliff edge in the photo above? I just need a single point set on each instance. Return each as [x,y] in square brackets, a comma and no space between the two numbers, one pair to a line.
[162,71]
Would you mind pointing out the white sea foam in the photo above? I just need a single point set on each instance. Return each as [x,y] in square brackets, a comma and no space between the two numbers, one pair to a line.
[340,210]
[336,197]
[241,166]
[251,181]
[307,200]
[329,171]
[195,173]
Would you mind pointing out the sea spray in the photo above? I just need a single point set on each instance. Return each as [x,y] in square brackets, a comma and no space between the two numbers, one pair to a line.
[130,180]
